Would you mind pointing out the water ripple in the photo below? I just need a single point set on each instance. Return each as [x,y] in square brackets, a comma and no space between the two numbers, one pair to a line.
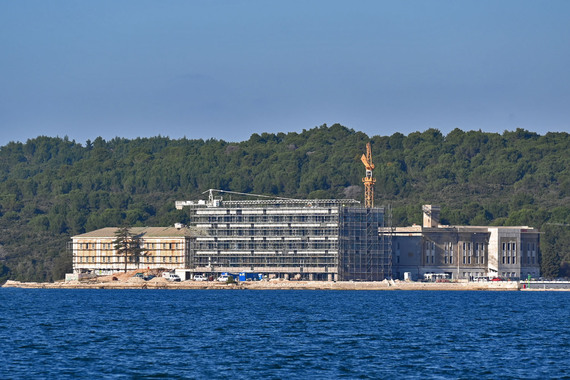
[157,334]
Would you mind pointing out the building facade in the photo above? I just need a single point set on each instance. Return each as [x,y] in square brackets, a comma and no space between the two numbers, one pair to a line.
[292,239]
[162,247]
[464,252]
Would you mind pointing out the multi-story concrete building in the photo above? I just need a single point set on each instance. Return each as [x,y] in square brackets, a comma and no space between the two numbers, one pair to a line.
[464,252]
[162,247]
[312,239]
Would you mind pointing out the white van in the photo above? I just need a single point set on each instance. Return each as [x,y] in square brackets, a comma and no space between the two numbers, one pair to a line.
[171,276]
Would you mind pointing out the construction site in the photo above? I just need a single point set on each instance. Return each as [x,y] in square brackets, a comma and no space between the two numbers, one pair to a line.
[288,238]
[316,239]
[273,237]
[254,237]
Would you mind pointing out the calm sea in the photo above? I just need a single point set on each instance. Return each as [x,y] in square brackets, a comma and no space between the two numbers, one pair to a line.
[192,334]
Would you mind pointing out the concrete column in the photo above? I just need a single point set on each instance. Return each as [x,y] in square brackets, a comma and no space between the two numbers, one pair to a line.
[311,277]
[329,277]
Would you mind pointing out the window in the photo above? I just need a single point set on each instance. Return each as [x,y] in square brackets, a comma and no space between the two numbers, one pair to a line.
[450,251]
[429,251]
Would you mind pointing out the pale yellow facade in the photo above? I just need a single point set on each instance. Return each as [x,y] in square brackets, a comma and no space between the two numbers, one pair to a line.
[162,248]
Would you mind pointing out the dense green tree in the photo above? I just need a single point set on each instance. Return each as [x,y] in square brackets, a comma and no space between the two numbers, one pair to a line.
[53,188]
[128,245]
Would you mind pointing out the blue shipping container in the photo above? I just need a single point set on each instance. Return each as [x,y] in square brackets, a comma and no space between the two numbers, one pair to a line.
[244,276]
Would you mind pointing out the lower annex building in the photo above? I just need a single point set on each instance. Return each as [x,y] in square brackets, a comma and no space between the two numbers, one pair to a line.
[325,240]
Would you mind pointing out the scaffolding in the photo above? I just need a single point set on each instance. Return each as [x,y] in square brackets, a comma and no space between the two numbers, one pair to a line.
[310,239]
[364,253]
[280,237]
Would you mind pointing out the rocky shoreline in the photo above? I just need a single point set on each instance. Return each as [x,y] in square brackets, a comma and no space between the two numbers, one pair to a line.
[160,283]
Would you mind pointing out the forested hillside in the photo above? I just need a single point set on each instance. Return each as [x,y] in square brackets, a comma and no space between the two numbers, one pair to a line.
[52,188]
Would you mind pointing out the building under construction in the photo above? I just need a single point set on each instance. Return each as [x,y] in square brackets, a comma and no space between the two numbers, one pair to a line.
[317,239]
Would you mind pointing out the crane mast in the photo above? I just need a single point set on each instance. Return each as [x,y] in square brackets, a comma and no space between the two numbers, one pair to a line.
[369,180]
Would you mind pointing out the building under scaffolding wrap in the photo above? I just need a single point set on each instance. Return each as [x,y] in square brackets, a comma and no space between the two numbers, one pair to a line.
[364,254]
[290,238]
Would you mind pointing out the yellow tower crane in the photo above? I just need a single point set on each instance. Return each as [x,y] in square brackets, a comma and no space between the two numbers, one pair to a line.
[369,181]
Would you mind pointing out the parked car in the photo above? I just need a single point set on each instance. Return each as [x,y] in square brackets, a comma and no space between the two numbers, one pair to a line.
[200,277]
[223,278]
[171,276]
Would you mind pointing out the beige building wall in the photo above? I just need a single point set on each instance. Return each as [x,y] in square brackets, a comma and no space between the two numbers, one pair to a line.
[95,251]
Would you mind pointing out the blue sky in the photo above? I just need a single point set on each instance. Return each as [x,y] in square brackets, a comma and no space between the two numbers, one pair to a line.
[228,69]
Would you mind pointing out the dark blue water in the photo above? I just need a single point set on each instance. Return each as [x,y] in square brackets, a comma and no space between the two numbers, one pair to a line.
[191,334]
